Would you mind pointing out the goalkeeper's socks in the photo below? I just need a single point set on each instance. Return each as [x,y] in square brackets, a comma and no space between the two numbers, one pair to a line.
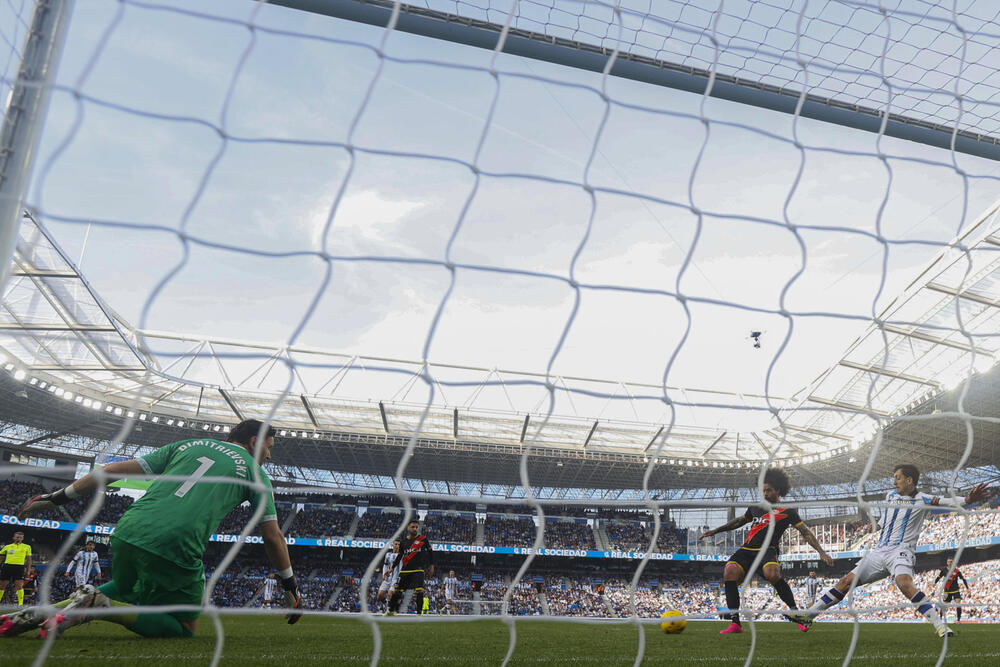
[831,598]
[927,609]
[20,597]
[732,600]
[156,625]
[784,592]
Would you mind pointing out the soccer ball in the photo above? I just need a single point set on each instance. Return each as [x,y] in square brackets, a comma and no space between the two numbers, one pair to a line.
[673,622]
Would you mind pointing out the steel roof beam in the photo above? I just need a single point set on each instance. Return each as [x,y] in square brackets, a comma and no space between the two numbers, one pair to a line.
[816,431]
[232,404]
[309,411]
[950,291]
[385,419]
[714,443]
[919,335]
[876,370]
[861,409]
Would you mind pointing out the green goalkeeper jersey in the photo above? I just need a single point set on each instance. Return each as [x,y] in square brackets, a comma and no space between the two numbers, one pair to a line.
[175,519]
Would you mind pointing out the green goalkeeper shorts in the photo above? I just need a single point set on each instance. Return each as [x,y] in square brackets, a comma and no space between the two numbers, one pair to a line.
[143,578]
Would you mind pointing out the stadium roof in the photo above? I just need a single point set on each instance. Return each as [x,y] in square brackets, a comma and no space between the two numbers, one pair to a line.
[75,367]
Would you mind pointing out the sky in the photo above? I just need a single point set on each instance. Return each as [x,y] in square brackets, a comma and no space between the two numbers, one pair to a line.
[550,129]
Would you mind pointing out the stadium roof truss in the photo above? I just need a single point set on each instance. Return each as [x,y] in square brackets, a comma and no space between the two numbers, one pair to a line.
[73,366]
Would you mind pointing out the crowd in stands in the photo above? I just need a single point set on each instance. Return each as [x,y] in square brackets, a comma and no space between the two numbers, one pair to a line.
[948,527]
[378,524]
[633,536]
[449,528]
[13,494]
[321,522]
[519,532]
[112,509]
[568,535]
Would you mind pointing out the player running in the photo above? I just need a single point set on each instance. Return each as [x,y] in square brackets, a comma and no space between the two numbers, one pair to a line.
[895,552]
[389,574]
[952,592]
[776,484]
[416,559]
[84,563]
[812,586]
[16,564]
[450,591]
[158,544]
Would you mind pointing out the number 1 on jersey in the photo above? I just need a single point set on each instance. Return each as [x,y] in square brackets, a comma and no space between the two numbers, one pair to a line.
[206,463]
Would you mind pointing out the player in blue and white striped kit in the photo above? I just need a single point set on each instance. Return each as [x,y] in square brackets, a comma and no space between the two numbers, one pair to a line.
[895,552]
[85,563]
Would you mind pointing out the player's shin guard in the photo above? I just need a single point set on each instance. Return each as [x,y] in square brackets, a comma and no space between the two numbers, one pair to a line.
[784,592]
[831,598]
[732,600]
[927,609]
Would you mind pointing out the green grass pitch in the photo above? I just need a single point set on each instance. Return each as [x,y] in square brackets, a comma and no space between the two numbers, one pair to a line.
[338,641]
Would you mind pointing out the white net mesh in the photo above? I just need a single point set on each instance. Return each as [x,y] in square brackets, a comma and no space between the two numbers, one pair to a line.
[354,233]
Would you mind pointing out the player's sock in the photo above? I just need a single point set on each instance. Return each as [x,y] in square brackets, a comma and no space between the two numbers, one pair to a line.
[148,625]
[418,601]
[20,597]
[157,625]
[927,609]
[394,601]
[829,599]
[958,612]
[732,600]
[784,592]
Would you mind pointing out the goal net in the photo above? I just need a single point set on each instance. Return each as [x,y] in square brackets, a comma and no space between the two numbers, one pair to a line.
[558,280]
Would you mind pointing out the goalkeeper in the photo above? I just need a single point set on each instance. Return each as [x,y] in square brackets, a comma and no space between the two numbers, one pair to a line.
[159,542]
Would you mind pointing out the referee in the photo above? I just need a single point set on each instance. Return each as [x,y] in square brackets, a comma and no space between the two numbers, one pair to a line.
[16,564]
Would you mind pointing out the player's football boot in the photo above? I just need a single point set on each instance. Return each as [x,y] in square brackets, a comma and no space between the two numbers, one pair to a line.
[21,621]
[804,621]
[85,597]
[945,631]
[733,629]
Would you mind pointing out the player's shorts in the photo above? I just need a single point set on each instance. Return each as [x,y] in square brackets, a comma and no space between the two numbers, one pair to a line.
[79,579]
[449,596]
[952,596]
[141,577]
[745,558]
[11,572]
[410,580]
[881,563]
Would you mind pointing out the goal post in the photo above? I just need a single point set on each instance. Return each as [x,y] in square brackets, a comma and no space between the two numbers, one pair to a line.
[24,115]
[866,115]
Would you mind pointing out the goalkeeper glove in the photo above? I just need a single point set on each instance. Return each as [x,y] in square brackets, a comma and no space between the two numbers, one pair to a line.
[292,599]
[42,503]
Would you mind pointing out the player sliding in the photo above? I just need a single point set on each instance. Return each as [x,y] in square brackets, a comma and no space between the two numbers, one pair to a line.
[894,554]
[159,542]
[776,484]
